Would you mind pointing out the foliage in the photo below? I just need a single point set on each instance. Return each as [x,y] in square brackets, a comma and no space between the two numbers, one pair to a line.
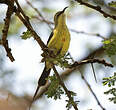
[112,4]
[113,92]
[71,102]
[63,61]
[59,60]
[54,91]
[110,81]
[110,46]
[26,35]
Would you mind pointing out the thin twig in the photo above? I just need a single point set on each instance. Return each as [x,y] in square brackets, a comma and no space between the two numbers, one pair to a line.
[22,12]
[75,64]
[88,85]
[64,87]
[97,8]
[90,34]
[5,30]
[4,1]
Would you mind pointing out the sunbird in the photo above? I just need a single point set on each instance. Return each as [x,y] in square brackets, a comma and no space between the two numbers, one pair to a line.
[58,42]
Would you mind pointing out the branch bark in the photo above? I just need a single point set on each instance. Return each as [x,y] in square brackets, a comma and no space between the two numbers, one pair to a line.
[65,89]
[22,16]
[97,8]
[6,28]
[89,87]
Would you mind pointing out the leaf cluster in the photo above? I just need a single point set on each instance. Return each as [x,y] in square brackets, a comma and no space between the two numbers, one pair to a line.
[63,61]
[58,60]
[110,81]
[112,4]
[113,92]
[110,46]
[71,102]
[26,35]
[54,91]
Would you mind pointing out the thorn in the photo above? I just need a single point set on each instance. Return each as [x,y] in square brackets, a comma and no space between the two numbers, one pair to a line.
[94,72]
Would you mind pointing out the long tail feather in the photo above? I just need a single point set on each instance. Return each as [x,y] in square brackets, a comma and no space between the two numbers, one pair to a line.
[42,80]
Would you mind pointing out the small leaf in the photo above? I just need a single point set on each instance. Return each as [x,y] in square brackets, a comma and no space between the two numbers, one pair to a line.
[26,35]
[110,46]
[107,41]
[112,4]
[54,91]
[109,85]
[110,81]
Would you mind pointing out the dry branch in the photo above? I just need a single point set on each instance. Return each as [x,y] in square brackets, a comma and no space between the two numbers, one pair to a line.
[65,89]
[6,28]
[97,8]
[75,64]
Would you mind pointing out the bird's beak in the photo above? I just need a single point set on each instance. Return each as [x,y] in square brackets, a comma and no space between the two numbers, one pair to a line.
[64,9]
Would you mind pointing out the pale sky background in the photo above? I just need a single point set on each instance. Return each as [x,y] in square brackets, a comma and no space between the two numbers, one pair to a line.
[27,54]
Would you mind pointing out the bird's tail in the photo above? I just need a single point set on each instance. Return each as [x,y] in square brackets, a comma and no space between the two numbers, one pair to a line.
[42,80]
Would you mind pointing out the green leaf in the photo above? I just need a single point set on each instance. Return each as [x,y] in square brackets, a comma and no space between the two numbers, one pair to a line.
[112,4]
[107,41]
[59,60]
[111,91]
[110,46]
[110,81]
[26,35]
[70,103]
[54,91]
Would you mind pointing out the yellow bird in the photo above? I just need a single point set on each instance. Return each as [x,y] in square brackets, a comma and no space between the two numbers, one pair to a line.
[58,41]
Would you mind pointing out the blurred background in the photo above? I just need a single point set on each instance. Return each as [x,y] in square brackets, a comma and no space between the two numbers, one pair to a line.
[18,79]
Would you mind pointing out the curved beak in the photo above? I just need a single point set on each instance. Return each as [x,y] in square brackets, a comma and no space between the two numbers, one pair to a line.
[64,9]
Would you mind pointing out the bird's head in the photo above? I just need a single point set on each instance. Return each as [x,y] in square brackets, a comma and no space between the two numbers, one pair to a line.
[60,16]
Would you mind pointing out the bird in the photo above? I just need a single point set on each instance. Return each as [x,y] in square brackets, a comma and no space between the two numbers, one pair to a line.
[58,42]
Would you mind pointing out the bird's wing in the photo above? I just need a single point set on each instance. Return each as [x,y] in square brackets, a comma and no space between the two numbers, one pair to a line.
[50,37]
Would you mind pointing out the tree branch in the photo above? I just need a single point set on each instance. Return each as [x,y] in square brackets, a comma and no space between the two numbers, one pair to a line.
[89,87]
[97,8]
[90,34]
[65,89]
[21,15]
[5,30]
[4,2]
[75,64]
